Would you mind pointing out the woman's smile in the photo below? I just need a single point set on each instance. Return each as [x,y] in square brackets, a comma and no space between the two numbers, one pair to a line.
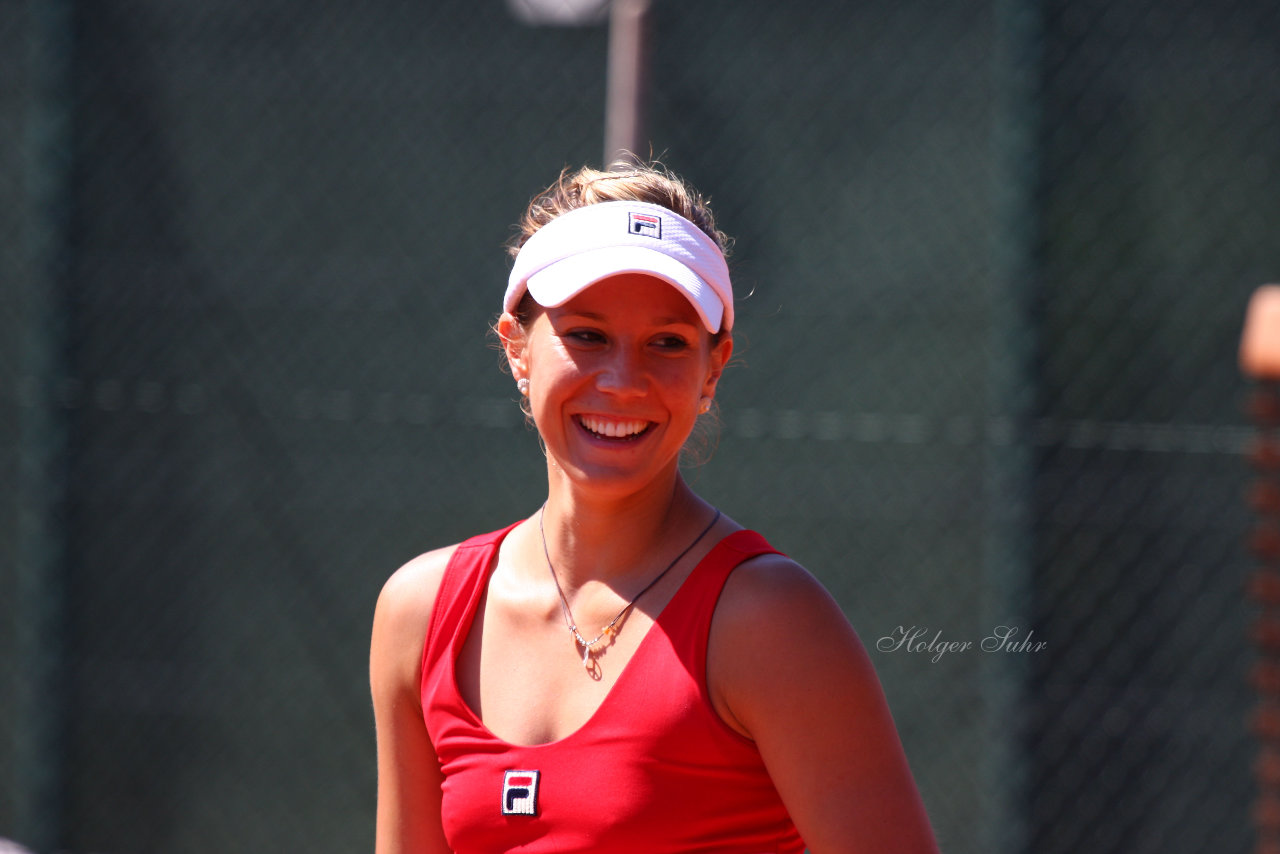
[602,426]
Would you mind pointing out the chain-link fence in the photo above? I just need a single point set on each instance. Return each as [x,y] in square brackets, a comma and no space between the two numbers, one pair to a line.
[993,256]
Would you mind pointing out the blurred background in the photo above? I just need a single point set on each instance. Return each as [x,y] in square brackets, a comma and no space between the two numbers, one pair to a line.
[992,259]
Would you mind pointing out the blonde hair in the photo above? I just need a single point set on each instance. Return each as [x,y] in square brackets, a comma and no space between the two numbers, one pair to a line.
[643,182]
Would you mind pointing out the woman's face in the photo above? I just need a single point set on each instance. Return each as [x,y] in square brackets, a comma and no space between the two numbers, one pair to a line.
[615,378]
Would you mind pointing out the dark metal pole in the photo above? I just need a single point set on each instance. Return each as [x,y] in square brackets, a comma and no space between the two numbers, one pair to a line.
[628,82]
[40,705]
[1011,458]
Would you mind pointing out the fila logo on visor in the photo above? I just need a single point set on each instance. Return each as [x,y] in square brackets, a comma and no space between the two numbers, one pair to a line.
[645,224]
[520,793]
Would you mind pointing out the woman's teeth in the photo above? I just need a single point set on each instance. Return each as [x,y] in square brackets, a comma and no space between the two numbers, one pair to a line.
[612,428]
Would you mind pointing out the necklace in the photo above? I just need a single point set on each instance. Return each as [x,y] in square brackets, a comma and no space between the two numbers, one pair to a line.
[610,628]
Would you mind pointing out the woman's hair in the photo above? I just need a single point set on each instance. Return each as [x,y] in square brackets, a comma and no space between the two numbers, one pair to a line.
[631,182]
[647,182]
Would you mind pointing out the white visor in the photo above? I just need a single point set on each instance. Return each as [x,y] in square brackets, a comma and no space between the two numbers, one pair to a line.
[587,244]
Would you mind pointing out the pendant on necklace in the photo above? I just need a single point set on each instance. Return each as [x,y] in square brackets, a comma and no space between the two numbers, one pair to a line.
[586,657]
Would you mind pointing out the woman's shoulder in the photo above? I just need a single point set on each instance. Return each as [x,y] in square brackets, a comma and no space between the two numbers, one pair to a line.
[776,627]
[765,584]
[403,613]
[413,587]
[408,596]
[774,589]
[786,669]
[410,592]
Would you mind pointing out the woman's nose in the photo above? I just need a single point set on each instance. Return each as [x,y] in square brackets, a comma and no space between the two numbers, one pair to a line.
[622,374]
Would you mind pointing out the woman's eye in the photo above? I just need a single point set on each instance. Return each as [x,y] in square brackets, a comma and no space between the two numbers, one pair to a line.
[671,342]
[585,336]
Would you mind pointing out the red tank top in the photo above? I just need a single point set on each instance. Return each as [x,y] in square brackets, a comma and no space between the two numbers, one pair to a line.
[654,770]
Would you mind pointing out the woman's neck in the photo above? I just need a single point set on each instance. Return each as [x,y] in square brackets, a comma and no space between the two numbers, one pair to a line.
[605,538]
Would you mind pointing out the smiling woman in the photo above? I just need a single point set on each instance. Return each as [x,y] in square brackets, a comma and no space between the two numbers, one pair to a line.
[617,376]
[628,669]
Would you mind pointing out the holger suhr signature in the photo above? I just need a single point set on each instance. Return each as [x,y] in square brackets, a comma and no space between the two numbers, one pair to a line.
[919,639]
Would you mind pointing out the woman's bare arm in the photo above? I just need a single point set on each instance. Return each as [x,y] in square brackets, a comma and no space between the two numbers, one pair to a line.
[409,775]
[787,670]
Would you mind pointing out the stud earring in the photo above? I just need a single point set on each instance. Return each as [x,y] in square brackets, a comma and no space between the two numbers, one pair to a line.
[522,385]
[704,405]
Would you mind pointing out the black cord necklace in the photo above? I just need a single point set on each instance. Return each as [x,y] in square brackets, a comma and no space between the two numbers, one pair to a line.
[610,628]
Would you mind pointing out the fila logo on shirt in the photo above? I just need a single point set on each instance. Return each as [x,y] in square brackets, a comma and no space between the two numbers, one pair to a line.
[646,225]
[520,793]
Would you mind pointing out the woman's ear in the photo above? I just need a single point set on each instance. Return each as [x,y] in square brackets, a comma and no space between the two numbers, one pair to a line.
[512,336]
[717,360]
